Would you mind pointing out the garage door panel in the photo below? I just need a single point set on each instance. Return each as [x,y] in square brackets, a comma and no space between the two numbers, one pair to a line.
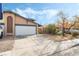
[25,30]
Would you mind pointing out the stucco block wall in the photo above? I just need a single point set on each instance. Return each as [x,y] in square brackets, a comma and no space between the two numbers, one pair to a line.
[8,14]
[5,15]
[31,22]
[20,20]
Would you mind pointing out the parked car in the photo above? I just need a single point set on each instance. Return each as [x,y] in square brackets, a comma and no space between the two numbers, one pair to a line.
[1,32]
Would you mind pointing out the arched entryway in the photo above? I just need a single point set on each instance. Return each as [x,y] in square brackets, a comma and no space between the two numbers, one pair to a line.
[9,25]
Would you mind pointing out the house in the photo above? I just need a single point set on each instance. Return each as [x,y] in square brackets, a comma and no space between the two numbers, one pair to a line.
[15,24]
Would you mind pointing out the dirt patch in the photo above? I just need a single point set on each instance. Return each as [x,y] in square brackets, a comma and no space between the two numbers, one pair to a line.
[59,37]
[6,43]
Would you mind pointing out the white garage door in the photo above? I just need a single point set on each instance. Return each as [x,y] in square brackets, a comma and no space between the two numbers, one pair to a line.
[25,30]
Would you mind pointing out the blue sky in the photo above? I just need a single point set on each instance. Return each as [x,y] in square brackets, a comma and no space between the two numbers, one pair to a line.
[43,13]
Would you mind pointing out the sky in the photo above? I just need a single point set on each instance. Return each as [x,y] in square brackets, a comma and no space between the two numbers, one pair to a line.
[43,13]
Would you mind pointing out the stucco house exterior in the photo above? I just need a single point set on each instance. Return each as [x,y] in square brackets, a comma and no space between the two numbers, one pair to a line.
[15,24]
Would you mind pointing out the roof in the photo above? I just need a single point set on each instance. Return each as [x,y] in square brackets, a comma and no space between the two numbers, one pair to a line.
[22,17]
[18,15]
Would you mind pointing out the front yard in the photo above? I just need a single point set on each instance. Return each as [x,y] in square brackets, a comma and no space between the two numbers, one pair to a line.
[6,43]
[43,44]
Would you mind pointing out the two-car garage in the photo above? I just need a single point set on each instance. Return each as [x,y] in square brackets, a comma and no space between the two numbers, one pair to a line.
[25,30]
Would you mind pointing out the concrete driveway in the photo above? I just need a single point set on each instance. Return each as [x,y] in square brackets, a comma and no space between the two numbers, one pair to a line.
[34,45]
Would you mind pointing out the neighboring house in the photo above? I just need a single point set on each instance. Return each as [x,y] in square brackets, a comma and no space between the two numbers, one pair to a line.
[41,29]
[14,24]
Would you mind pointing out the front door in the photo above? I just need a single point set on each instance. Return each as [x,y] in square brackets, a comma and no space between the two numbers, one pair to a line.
[9,25]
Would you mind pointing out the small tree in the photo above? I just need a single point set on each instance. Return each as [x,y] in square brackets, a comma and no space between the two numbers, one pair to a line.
[63,18]
[73,23]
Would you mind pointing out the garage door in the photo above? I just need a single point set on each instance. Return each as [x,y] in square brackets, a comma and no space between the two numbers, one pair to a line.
[25,30]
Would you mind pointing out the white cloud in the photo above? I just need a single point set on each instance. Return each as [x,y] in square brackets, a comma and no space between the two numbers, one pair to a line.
[45,14]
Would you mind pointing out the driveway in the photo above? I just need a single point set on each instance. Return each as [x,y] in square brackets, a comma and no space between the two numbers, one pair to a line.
[42,45]
[34,45]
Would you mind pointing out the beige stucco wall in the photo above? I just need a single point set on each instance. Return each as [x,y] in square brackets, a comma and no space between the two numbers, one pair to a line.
[5,15]
[20,20]
[31,22]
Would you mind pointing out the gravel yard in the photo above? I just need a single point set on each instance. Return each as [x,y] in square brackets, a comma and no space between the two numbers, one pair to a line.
[42,45]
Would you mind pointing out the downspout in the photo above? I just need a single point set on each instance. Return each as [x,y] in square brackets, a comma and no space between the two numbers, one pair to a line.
[36,29]
[14,26]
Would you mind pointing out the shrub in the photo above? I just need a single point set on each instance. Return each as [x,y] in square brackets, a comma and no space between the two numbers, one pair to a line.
[51,29]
